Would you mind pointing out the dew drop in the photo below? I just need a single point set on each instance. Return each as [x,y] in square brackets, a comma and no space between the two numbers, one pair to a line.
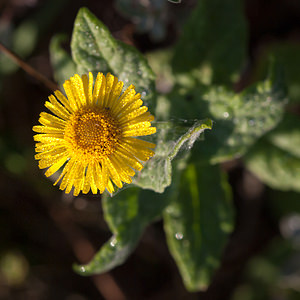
[178,236]
[226,114]
[144,94]
[82,269]
[113,242]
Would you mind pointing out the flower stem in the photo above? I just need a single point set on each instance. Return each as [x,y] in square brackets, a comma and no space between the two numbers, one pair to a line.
[30,70]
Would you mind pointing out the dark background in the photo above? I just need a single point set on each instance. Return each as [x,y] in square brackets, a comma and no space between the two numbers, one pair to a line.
[43,231]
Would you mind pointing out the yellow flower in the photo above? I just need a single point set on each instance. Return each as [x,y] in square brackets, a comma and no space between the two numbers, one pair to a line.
[93,135]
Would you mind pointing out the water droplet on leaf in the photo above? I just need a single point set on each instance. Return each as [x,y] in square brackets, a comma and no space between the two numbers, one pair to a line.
[113,242]
[178,236]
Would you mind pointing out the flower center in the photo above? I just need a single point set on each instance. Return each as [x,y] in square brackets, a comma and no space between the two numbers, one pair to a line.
[92,135]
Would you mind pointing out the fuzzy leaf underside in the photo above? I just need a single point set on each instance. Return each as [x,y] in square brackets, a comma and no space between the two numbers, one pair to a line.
[239,119]
[170,139]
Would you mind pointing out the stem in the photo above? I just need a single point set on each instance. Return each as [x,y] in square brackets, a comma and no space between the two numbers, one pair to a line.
[30,70]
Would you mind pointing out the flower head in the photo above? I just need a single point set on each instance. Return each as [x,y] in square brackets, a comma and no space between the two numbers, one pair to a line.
[92,133]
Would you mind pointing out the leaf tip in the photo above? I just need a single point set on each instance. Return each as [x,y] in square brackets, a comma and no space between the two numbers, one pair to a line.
[81,269]
[83,10]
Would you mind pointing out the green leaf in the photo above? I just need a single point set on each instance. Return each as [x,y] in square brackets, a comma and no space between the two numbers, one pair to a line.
[275,167]
[160,62]
[197,224]
[62,63]
[239,119]
[127,214]
[288,54]
[120,212]
[286,135]
[94,49]
[131,210]
[275,159]
[157,172]
[213,41]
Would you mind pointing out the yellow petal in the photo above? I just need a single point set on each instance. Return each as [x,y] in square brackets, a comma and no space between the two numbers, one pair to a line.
[128,96]
[113,174]
[97,88]
[69,89]
[50,120]
[57,108]
[140,132]
[100,93]
[54,151]
[48,138]
[47,129]
[78,90]
[47,161]
[79,179]
[129,159]
[101,177]
[132,115]
[89,182]
[65,174]
[60,96]
[89,95]
[140,153]
[56,166]
[138,143]
[122,170]
[110,187]
[111,82]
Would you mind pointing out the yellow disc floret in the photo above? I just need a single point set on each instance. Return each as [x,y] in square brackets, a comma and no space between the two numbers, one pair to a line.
[91,135]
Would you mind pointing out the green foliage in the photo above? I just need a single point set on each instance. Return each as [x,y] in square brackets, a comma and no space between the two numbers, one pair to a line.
[148,16]
[131,210]
[240,119]
[94,49]
[180,183]
[288,55]
[62,63]
[158,171]
[286,136]
[127,214]
[197,223]
[124,220]
[277,168]
[271,273]
[215,39]
[276,158]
